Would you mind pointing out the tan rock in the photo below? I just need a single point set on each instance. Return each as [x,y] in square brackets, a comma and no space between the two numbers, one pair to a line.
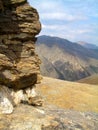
[35,101]
[19,64]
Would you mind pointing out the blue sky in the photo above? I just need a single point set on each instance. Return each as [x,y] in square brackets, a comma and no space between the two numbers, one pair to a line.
[75,20]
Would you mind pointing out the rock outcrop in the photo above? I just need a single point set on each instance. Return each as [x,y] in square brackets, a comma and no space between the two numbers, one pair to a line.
[19,64]
[26,117]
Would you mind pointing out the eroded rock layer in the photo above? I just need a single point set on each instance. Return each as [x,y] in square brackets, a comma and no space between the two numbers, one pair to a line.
[19,24]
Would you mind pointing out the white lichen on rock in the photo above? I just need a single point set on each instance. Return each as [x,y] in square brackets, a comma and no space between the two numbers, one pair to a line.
[6,103]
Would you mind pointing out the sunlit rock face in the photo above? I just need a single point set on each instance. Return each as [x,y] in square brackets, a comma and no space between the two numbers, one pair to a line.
[19,64]
[19,23]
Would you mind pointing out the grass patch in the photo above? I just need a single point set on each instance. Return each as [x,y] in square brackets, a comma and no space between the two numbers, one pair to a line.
[69,95]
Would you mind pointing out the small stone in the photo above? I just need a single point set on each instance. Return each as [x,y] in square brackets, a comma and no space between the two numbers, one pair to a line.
[35,101]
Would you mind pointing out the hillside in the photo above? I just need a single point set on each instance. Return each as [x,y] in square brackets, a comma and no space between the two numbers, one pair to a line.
[88,45]
[69,60]
[90,80]
[69,95]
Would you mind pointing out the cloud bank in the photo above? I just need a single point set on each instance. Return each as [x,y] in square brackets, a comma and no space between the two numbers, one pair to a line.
[75,20]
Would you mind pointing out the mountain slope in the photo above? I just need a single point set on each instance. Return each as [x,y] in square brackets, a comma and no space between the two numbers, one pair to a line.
[69,95]
[90,80]
[88,45]
[47,68]
[70,60]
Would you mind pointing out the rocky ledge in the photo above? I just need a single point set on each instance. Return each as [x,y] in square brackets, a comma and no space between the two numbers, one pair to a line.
[19,64]
[26,117]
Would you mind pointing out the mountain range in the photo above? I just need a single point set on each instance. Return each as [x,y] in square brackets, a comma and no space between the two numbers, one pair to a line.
[88,45]
[66,60]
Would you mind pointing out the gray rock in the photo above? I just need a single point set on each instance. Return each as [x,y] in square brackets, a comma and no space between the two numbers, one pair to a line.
[6,103]
[26,117]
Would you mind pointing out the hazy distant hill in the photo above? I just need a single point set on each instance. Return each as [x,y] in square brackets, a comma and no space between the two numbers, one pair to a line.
[88,45]
[64,59]
[90,80]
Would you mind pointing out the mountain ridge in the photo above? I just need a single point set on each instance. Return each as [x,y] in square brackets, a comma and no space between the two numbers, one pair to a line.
[93,79]
[88,45]
[72,60]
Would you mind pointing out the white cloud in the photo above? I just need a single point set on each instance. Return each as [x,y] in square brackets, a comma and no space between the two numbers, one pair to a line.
[67,27]
[57,10]
[52,27]
[61,16]
[81,31]
[49,5]
[67,32]
[56,27]
[71,19]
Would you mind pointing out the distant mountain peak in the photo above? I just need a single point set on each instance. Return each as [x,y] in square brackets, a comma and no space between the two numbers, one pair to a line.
[82,42]
[87,45]
[64,59]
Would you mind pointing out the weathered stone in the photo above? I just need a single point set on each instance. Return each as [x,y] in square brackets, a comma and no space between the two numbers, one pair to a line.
[26,117]
[1,6]
[17,1]
[10,98]
[27,96]
[19,65]
[35,101]
[6,102]
[12,2]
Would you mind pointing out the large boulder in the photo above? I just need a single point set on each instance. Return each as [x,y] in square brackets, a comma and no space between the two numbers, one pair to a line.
[19,64]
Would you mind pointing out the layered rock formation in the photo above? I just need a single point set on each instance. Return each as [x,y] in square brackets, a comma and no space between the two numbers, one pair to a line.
[19,65]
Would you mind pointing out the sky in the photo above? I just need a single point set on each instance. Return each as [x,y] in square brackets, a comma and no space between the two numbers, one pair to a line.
[75,20]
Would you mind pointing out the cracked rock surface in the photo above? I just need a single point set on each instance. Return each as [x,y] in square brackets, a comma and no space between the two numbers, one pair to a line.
[48,117]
